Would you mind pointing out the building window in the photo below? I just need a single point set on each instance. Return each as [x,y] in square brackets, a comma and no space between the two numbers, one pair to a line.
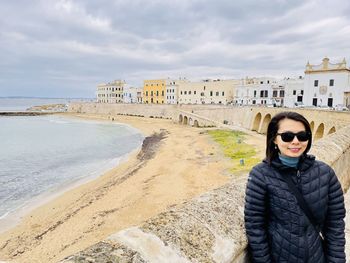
[189,93]
[261,82]
[274,93]
[254,93]
[194,92]
[146,93]
[316,83]
[261,93]
[204,88]
[331,82]
[302,92]
[294,92]
[217,93]
[211,93]
[162,92]
[181,92]
[185,92]
[223,93]
[202,93]
[282,93]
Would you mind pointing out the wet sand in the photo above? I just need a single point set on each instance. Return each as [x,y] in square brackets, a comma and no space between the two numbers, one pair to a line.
[176,163]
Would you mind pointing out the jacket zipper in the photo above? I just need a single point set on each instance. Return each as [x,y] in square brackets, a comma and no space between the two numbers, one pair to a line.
[305,234]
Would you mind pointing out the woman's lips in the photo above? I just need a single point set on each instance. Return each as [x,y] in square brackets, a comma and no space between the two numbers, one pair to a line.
[294,150]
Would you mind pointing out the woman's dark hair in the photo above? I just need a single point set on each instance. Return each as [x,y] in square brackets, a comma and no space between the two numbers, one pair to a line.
[272,129]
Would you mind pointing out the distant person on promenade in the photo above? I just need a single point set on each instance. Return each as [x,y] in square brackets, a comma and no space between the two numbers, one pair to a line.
[294,205]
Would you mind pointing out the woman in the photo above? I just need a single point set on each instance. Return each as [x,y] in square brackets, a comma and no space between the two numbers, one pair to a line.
[277,227]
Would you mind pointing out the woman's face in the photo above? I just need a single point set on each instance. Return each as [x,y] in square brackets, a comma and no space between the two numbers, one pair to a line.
[294,148]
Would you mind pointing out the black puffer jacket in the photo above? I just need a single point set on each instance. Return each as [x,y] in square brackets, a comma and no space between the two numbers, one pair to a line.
[276,227]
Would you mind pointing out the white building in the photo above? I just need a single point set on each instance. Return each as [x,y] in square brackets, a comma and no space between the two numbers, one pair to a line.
[289,92]
[172,90]
[327,84]
[207,92]
[110,92]
[132,94]
[254,91]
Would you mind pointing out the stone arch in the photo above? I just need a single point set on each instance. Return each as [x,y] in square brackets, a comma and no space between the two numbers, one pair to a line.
[190,121]
[256,122]
[319,132]
[185,121]
[196,124]
[181,118]
[312,126]
[265,123]
[332,130]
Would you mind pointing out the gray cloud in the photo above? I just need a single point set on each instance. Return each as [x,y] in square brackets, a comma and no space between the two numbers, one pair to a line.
[65,48]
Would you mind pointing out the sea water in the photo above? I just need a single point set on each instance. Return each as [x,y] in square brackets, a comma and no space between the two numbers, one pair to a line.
[39,154]
[21,104]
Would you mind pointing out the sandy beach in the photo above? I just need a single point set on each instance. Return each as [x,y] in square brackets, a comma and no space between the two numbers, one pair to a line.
[175,164]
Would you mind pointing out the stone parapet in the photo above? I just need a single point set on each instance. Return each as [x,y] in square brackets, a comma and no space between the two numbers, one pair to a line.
[206,229]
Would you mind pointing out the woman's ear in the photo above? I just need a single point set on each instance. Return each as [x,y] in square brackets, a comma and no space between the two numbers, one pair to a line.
[275,140]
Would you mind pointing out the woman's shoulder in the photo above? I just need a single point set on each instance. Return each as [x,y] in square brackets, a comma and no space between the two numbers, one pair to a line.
[322,165]
[261,168]
[322,168]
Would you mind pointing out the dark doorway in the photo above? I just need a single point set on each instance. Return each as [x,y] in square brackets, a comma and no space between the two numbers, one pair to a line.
[330,102]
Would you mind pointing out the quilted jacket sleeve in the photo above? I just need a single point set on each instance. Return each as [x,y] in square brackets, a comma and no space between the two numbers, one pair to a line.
[334,225]
[255,213]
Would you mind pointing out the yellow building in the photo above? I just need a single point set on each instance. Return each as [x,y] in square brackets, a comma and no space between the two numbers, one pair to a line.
[154,91]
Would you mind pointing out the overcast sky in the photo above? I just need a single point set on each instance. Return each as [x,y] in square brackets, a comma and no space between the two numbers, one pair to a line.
[64,48]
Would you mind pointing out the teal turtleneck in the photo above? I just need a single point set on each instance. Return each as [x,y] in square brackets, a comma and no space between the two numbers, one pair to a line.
[289,161]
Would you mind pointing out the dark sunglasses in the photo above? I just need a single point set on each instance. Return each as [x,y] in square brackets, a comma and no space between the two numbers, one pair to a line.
[302,136]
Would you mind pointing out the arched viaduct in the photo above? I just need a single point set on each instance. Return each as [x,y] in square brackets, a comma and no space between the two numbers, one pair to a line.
[257,119]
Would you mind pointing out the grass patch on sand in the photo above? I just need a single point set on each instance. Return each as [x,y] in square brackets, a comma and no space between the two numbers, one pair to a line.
[234,147]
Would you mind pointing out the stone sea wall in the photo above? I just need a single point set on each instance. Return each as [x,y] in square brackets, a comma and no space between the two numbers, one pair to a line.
[209,228]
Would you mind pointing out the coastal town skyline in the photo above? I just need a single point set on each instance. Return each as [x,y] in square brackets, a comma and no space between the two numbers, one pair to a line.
[66,48]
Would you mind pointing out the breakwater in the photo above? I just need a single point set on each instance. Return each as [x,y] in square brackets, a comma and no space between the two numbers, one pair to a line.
[23,113]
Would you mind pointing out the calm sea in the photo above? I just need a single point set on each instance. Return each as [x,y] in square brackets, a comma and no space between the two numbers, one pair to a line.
[40,154]
[21,104]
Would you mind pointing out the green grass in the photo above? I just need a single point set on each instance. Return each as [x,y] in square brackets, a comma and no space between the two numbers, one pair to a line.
[234,147]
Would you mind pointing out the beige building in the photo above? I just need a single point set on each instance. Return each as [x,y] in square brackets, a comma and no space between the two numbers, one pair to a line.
[207,92]
[110,92]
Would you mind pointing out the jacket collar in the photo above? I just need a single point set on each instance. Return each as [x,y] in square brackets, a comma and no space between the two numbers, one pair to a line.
[305,162]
